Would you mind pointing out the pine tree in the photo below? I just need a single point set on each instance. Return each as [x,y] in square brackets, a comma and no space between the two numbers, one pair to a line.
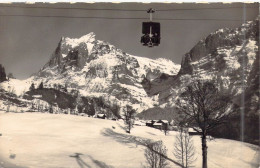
[10,75]
[32,87]
[2,73]
[40,86]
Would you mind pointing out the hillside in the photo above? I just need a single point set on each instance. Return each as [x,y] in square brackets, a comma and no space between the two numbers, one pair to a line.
[51,140]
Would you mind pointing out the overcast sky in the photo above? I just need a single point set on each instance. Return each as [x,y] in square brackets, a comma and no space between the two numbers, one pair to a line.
[26,43]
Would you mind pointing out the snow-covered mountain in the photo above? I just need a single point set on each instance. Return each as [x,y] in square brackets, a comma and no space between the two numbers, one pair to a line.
[228,56]
[108,78]
[98,69]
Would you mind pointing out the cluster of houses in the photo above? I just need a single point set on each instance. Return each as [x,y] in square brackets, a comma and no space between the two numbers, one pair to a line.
[159,124]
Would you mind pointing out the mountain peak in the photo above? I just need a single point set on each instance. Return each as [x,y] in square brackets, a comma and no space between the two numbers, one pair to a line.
[88,38]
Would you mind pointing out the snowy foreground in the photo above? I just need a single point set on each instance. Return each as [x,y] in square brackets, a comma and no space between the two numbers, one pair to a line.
[40,140]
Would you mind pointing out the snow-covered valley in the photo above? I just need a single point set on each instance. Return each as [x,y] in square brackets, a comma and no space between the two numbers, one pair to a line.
[52,140]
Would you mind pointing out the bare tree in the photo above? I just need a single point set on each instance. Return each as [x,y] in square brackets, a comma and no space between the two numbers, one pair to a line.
[184,149]
[10,75]
[79,104]
[51,108]
[203,108]
[129,116]
[165,128]
[8,107]
[179,147]
[32,107]
[155,155]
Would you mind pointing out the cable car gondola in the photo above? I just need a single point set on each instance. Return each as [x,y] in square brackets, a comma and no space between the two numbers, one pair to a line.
[151,32]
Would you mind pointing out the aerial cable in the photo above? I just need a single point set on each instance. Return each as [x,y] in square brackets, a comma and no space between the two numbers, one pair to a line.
[73,8]
[115,18]
[120,10]
[196,9]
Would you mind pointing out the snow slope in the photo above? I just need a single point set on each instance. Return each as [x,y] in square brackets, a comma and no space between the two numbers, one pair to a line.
[16,86]
[51,141]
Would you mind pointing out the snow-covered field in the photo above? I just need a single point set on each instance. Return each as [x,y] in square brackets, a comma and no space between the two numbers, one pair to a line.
[41,140]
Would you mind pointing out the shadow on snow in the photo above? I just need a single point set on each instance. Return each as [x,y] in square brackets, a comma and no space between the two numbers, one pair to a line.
[84,164]
[133,140]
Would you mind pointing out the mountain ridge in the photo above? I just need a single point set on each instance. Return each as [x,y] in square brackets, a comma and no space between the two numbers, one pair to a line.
[99,69]
[230,58]
[222,56]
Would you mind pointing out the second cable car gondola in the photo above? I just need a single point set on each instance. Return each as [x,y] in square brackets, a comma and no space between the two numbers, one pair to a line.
[151,32]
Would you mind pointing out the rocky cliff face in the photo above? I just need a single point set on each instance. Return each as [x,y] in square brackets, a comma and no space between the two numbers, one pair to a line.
[228,56]
[99,69]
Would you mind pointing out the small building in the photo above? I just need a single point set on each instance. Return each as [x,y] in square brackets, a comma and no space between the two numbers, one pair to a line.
[191,132]
[163,121]
[139,123]
[101,116]
[150,123]
[160,124]
[157,125]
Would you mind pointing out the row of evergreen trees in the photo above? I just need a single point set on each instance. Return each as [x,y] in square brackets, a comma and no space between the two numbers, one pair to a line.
[55,86]
[32,87]
[2,74]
